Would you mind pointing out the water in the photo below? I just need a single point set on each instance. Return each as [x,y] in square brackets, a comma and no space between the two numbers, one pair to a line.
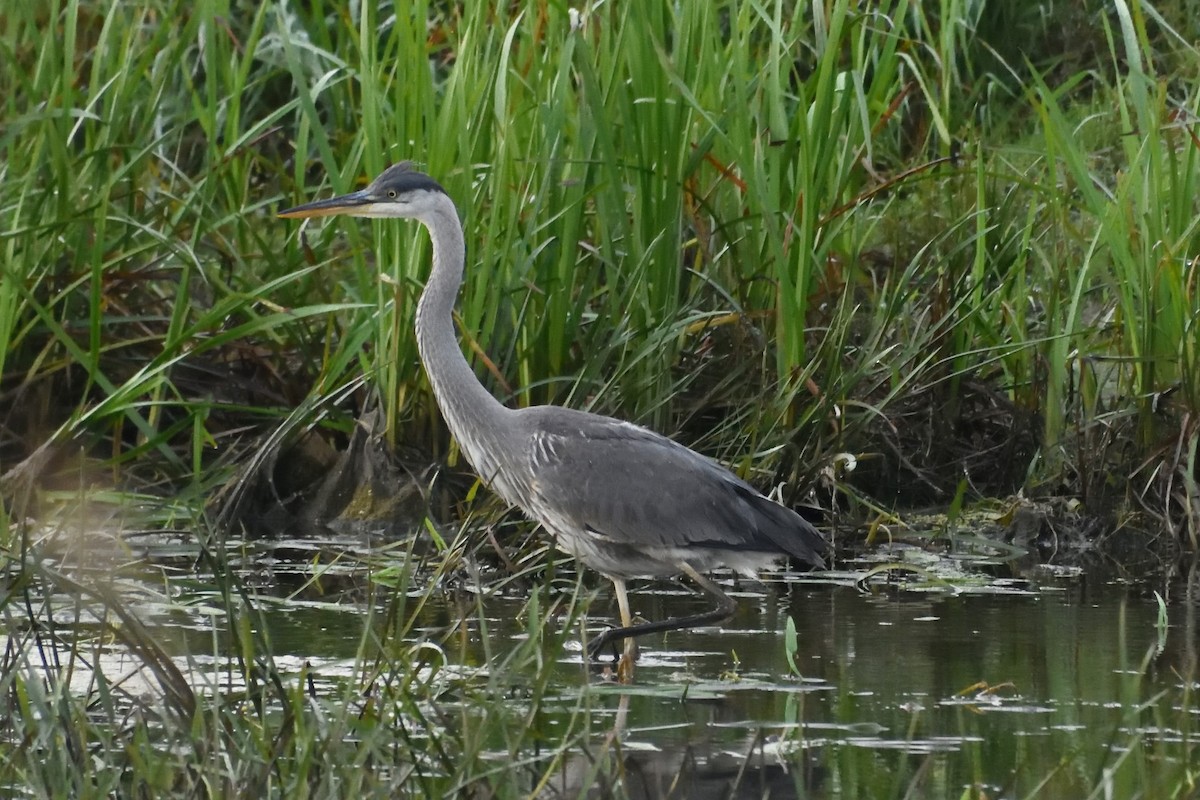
[1003,685]
[991,690]
[923,684]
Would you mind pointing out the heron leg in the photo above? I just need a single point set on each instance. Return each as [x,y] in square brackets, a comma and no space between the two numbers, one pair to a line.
[623,602]
[724,610]
[626,622]
[625,664]
[597,644]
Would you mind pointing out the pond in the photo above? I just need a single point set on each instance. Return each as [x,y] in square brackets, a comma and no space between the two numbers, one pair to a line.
[927,681]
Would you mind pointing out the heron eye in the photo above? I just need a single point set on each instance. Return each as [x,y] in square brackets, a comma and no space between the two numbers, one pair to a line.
[392,194]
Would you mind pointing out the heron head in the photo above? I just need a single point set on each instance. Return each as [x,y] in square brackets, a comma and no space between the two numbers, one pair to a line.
[399,192]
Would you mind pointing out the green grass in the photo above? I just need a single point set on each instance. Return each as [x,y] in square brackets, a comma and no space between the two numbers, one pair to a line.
[855,212]
[398,720]
[955,243]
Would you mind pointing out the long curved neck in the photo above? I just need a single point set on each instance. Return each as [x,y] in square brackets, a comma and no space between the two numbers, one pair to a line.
[475,418]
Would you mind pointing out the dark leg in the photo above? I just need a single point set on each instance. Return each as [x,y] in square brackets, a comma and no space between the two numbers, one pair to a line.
[724,610]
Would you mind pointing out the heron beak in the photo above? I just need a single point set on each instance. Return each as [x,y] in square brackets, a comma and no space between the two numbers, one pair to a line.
[345,204]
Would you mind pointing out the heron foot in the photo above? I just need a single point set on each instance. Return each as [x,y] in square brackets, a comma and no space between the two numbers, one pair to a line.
[625,666]
[621,668]
[596,646]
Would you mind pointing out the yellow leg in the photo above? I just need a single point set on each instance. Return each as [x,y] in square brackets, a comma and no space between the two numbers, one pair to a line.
[623,602]
[625,664]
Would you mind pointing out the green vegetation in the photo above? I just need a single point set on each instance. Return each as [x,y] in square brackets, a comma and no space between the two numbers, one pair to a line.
[776,237]
[955,242]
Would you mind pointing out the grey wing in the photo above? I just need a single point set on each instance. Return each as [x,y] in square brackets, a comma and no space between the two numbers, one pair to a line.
[633,488]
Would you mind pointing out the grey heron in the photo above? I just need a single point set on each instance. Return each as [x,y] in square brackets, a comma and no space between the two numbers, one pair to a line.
[622,499]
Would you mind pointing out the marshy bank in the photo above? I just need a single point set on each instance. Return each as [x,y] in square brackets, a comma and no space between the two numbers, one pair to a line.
[873,260]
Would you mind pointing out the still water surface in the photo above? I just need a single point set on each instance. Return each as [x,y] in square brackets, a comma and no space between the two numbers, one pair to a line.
[1015,687]
[965,677]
